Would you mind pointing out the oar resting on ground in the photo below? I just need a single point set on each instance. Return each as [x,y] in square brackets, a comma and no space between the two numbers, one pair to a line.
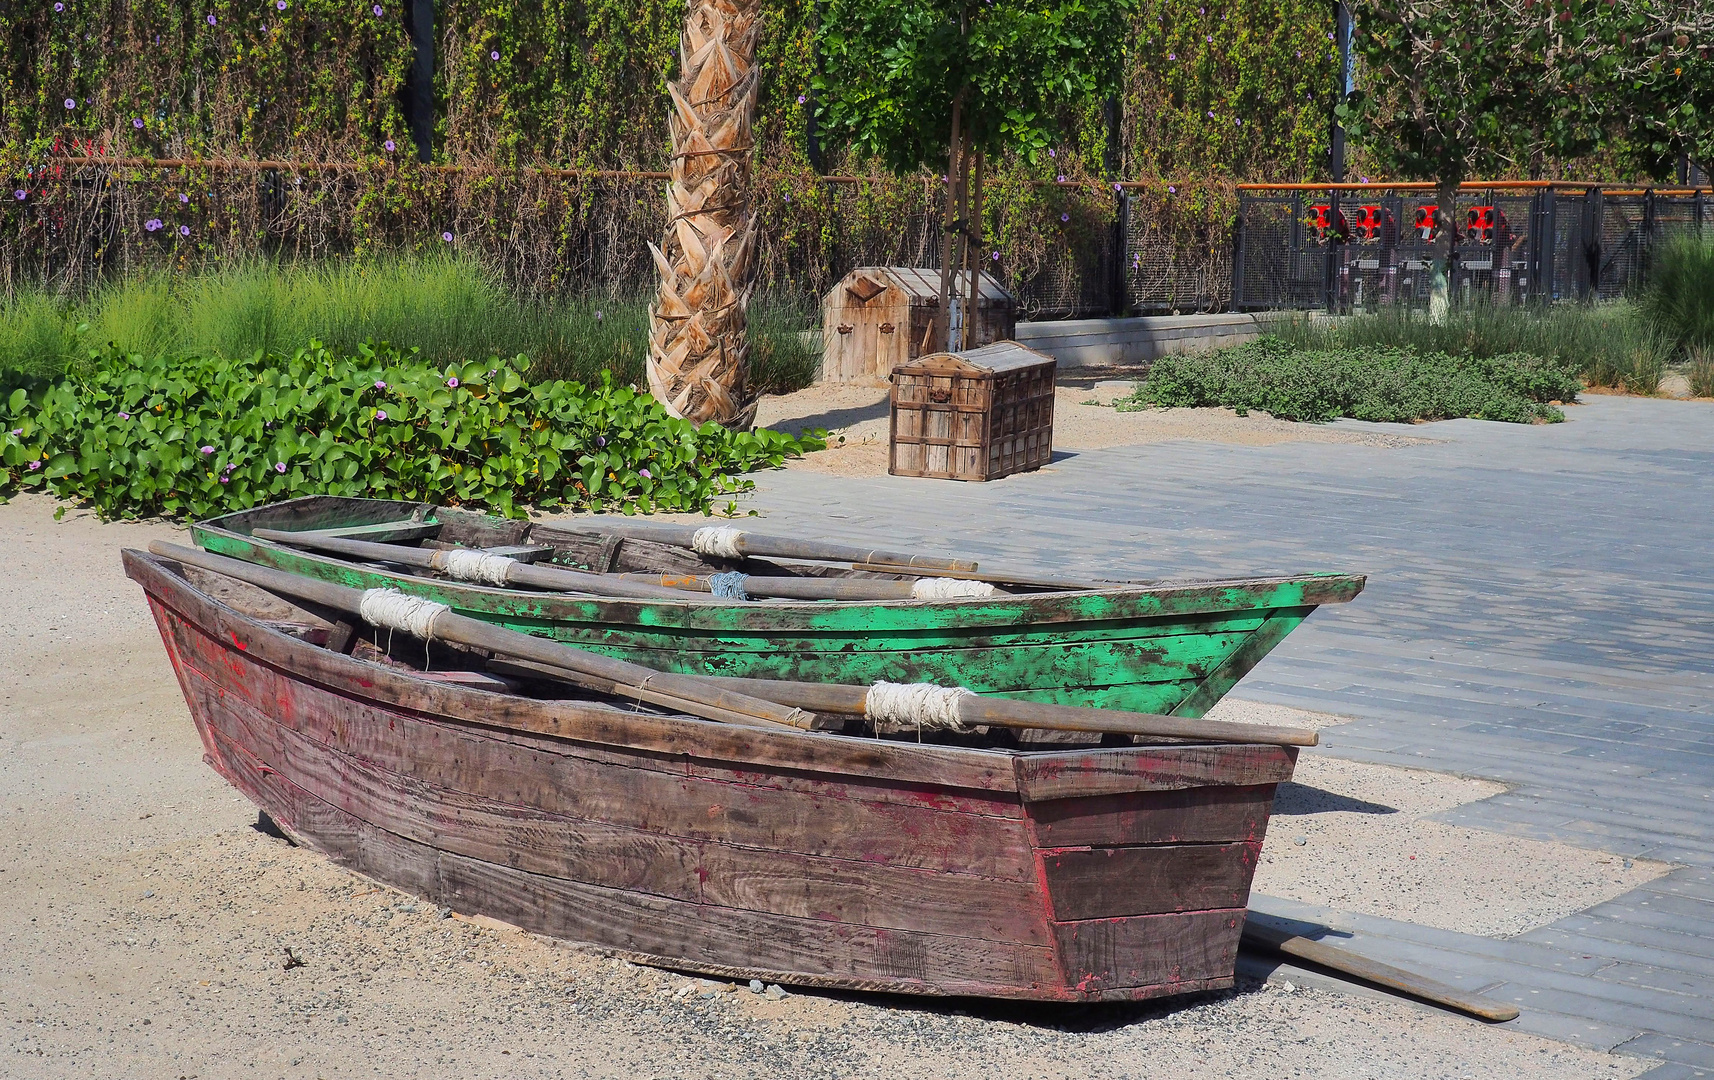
[1268,933]
[890,706]
[488,568]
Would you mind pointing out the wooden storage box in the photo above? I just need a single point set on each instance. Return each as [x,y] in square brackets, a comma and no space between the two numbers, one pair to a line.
[880,316]
[975,415]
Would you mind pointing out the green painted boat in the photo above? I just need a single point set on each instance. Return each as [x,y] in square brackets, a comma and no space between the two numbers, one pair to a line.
[1162,647]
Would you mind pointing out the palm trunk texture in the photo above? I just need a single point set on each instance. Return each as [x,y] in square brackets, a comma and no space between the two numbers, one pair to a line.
[698,363]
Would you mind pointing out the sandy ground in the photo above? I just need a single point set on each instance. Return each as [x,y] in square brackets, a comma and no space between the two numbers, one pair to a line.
[855,416]
[147,922]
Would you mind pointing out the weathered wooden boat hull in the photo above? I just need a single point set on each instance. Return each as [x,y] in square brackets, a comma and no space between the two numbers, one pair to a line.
[807,859]
[1174,648]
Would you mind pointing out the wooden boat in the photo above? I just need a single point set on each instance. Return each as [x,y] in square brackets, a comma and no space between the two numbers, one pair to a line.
[1172,647]
[799,857]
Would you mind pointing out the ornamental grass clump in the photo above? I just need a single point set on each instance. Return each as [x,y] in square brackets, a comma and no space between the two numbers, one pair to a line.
[182,437]
[1396,385]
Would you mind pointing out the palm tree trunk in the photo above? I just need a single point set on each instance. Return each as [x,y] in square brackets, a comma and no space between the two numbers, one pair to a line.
[698,364]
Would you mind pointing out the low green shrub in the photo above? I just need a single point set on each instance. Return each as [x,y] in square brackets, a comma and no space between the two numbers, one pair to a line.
[1680,293]
[1396,385]
[193,437]
[1614,345]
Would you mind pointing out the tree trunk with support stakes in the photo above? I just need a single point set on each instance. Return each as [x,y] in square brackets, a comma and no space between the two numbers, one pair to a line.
[949,230]
[1445,244]
[698,364]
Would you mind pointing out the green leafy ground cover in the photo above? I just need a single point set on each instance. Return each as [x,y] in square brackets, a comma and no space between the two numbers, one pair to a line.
[1377,383]
[195,436]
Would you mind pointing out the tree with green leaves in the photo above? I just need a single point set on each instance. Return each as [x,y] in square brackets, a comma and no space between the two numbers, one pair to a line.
[1454,88]
[919,82]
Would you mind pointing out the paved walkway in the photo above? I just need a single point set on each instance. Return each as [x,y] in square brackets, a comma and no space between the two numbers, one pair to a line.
[1540,611]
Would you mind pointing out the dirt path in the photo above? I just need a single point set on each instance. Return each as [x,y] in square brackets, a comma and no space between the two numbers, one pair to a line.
[147,922]
[855,415]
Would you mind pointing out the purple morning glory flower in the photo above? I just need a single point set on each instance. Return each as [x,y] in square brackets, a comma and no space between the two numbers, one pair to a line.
[1062,178]
[137,121]
[380,385]
[59,7]
[184,230]
[34,465]
[212,20]
[1050,153]
[183,197]
[230,467]
[280,4]
[1172,56]
[1118,187]
[380,414]
[124,416]
[996,256]
[1065,217]
[446,236]
[1171,190]
[17,431]
[600,440]
[71,103]
[788,198]
[645,474]
[279,466]
[224,479]
[207,450]
[389,145]
[495,55]
[20,194]
[377,10]
[453,382]
[152,224]
[801,99]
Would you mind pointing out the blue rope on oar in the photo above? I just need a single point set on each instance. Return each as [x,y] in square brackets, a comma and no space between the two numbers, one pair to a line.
[728,586]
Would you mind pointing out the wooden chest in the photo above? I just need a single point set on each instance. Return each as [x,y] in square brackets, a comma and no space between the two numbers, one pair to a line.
[975,415]
[880,316]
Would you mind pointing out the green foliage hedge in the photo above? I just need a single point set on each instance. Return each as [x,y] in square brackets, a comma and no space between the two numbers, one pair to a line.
[193,437]
[1393,385]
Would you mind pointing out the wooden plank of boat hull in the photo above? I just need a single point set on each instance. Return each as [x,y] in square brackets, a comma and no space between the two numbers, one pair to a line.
[685,934]
[1081,772]
[838,823]
[1181,816]
[601,853]
[1108,882]
[1146,950]
[323,512]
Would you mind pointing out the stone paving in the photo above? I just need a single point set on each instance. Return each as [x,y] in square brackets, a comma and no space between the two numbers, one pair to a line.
[1540,611]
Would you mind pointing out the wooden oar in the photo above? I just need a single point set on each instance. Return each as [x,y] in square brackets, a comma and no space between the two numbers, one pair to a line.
[517,573]
[1012,713]
[1002,577]
[976,709]
[694,694]
[783,547]
[634,586]
[1264,932]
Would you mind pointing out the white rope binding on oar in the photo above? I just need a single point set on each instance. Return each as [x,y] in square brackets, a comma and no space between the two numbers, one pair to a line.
[393,610]
[717,541]
[478,566]
[949,588]
[894,707]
